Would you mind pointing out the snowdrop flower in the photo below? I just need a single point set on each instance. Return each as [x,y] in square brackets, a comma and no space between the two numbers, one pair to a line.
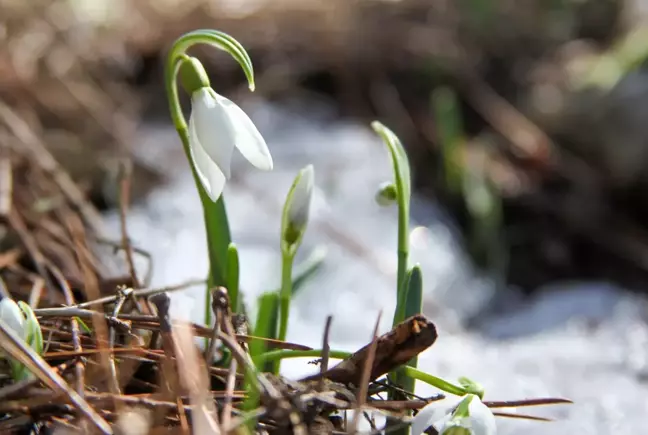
[456,417]
[12,316]
[297,207]
[20,318]
[216,127]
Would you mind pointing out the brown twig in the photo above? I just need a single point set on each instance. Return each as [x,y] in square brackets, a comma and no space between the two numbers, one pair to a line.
[393,349]
[125,177]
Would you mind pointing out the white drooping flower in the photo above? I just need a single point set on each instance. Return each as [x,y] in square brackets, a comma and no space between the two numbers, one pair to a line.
[216,127]
[441,416]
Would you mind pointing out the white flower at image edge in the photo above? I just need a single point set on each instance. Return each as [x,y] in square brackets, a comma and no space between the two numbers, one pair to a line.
[481,420]
[12,316]
[216,127]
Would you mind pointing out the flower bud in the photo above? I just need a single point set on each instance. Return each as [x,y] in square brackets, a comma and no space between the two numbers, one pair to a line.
[297,207]
[386,194]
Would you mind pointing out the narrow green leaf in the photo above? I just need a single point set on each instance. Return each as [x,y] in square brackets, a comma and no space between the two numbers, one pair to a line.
[83,325]
[306,269]
[448,122]
[233,277]
[399,160]
[265,325]
[411,305]
[34,333]
[414,300]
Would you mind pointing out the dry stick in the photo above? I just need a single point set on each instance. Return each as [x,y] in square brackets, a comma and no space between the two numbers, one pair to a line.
[182,416]
[114,378]
[229,392]
[325,350]
[527,402]
[220,305]
[6,181]
[79,368]
[145,292]
[168,377]
[393,349]
[521,416]
[17,349]
[222,316]
[125,177]
[194,377]
[366,375]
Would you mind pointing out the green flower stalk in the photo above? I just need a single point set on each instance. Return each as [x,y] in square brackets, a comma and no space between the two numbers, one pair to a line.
[215,128]
[293,226]
[402,187]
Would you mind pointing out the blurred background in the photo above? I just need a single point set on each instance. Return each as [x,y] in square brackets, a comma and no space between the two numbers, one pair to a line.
[526,127]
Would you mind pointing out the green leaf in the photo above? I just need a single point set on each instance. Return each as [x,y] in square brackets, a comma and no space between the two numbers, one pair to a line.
[218,239]
[306,269]
[448,122]
[265,325]
[219,40]
[402,182]
[83,325]
[400,162]
[414,300]
[233,277]
[34,333]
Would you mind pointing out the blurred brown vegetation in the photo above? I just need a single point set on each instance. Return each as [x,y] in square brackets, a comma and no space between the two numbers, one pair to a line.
[549,92]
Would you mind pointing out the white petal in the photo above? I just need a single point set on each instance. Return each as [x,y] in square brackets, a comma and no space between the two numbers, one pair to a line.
[482,420]
[211,177]
[213,129]
[246,137]
[12,316]
[434,414]
[301,198]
